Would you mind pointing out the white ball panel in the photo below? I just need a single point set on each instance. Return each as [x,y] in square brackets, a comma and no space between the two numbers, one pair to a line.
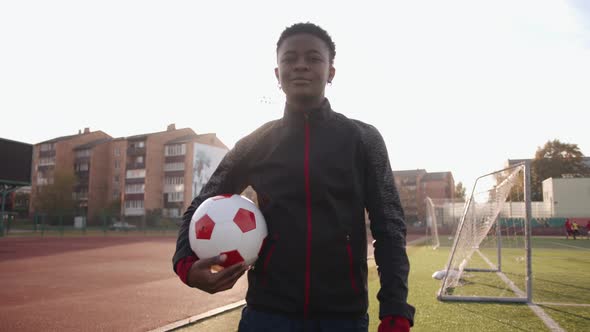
[226,237]
[205,248]
[222,210]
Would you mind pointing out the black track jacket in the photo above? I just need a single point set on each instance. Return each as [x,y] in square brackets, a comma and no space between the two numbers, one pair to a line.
[315,173]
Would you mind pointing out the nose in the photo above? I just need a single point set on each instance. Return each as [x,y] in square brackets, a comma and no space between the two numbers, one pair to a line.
[301,64]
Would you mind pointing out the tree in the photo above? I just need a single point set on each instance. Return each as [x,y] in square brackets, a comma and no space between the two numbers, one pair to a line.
[460,192]
[556,160]
[56,198]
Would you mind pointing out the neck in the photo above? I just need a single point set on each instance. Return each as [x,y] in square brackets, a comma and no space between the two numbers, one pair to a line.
[304,104]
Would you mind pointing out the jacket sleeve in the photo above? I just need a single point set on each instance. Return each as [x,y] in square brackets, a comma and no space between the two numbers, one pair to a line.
[387,226]
[228,178]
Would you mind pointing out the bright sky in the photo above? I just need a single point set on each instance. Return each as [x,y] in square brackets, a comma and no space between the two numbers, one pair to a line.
[453,85]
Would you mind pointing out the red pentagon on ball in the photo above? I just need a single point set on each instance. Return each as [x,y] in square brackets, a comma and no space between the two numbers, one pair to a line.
[233,257]
[204,228]
[245,220]
[218,197]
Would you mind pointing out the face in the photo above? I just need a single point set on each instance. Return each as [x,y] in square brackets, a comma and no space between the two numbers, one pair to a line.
[304,67]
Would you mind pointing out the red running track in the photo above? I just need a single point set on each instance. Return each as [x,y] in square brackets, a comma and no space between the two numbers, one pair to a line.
[97,284]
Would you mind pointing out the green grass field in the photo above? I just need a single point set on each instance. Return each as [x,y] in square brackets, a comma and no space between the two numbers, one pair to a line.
[561,274]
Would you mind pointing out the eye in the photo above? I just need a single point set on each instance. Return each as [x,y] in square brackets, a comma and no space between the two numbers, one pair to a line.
[288,59]
[315,59]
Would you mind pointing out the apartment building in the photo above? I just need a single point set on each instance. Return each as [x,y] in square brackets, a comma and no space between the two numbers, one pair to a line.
[129,177]
[415,185]
[61,154]
[189,163]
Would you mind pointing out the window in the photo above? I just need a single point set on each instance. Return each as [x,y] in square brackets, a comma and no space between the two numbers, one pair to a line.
[47,147]
[81,167]
[83,153]
[176,197]
[47,161]
[137,145]
[116,179]
[82,194]
[117,164]
[174,180]
[175,150]
[117,151]
[135,188]
[134,204]
[116,194]
[139,160]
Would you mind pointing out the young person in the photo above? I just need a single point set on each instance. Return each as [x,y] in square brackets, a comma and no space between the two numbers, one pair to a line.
[315,172]
[568,228]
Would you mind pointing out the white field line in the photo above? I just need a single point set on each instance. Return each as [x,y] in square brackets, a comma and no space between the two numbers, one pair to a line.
[567,245]
[564,304]
[548,321]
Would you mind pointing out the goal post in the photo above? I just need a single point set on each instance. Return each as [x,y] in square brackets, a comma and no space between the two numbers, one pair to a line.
[490,260]
[432,224]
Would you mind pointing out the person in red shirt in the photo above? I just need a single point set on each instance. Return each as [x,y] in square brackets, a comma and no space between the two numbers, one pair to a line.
[568,229]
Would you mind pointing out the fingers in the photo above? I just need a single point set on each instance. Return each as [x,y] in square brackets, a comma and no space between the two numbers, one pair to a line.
[231,273]
[206,263]
[230,282]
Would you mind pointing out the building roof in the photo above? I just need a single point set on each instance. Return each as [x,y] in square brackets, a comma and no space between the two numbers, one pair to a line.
[92,144]
[183,139]
[436,176]
[410,173]
[61,138]
[140,136]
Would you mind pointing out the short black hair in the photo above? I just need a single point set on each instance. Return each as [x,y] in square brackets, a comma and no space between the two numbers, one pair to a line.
[312,29]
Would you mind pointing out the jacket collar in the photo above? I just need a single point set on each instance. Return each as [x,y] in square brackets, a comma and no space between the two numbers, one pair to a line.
[313,114]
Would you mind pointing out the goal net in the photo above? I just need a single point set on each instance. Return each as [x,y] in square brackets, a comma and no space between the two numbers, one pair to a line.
[490,256]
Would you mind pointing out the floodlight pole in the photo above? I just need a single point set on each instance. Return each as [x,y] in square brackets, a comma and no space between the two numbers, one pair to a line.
[528,230]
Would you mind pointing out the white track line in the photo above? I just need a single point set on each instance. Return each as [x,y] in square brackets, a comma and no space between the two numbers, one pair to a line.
[197,318]
[547,320]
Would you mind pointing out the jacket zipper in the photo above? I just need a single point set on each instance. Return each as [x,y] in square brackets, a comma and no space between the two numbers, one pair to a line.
[350,264]
[308,209]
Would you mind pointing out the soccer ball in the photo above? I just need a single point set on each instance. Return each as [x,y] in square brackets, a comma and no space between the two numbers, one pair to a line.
[230,225]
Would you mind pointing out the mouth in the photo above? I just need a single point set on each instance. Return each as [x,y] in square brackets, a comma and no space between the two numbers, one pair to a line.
[300,80]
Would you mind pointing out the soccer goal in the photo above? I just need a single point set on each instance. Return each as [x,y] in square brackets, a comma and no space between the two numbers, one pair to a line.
[490,260]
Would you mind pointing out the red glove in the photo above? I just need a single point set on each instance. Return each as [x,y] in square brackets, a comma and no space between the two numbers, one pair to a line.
[394,324]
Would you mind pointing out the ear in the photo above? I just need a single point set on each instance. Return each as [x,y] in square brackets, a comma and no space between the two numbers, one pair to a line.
[277,74]
[331,74]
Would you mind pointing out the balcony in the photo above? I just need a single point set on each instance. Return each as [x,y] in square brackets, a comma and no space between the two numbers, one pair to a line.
[133,151]
[135,165]
[135,174]
[45,168]
[134,211]
[47,154]
[173,188]
[174,159]
[134,197]
[134,180]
